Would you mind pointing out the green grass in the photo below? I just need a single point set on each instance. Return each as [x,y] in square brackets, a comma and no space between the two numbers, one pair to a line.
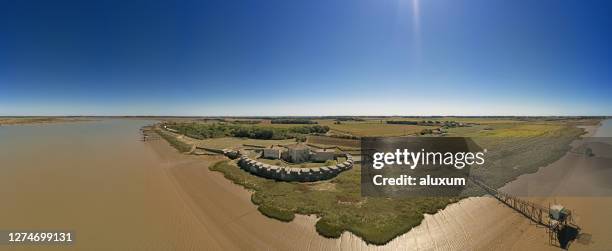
[331,141]
[231,142]
[174,142]
[276,213]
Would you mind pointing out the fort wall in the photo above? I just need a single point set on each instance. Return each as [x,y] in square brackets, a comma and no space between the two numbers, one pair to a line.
[302,174]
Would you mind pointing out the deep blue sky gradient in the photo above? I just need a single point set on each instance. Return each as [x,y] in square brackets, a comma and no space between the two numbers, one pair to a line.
[315,57]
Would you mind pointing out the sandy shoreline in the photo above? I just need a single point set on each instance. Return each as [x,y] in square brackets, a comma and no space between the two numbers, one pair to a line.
[481,223]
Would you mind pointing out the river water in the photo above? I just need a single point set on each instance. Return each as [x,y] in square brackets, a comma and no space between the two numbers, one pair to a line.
[605,130]
[96,179]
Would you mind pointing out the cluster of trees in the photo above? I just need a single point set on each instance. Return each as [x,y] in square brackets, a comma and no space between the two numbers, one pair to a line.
[402,122]
[426,131]
[344,136]
[311,129]
[204,131]
[445,124]
[292,121]
[349,119]
[246,122]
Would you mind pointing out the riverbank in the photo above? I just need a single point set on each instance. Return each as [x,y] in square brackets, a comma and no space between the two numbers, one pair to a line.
[38,120]
[451,228]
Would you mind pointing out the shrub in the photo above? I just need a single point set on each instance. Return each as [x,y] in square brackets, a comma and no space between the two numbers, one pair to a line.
[401,122]
[292,121]
[279,214]
[328,229]
[426,131]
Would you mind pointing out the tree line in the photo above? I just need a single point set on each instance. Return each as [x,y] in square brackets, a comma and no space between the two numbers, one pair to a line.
[216,130]
[292,121]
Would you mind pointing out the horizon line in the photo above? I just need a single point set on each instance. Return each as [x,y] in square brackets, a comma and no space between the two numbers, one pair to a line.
[312,116]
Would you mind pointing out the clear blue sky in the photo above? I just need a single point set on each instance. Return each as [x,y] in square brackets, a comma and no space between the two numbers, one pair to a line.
[315,57]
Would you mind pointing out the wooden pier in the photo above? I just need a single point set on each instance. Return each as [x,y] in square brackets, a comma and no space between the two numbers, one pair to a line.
[538,214]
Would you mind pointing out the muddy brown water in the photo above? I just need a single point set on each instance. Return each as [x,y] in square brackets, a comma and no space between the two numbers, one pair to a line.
[96,179]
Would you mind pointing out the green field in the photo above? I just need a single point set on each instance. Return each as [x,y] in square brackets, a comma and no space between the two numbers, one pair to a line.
[331,141]
[230,142]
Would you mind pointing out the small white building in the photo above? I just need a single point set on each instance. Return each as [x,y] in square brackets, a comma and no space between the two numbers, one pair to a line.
[557,212]
[271,153]
[296,154]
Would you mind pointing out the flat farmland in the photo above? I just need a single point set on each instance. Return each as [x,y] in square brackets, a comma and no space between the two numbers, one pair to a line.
[376,128]
[231,142]
[331,141]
